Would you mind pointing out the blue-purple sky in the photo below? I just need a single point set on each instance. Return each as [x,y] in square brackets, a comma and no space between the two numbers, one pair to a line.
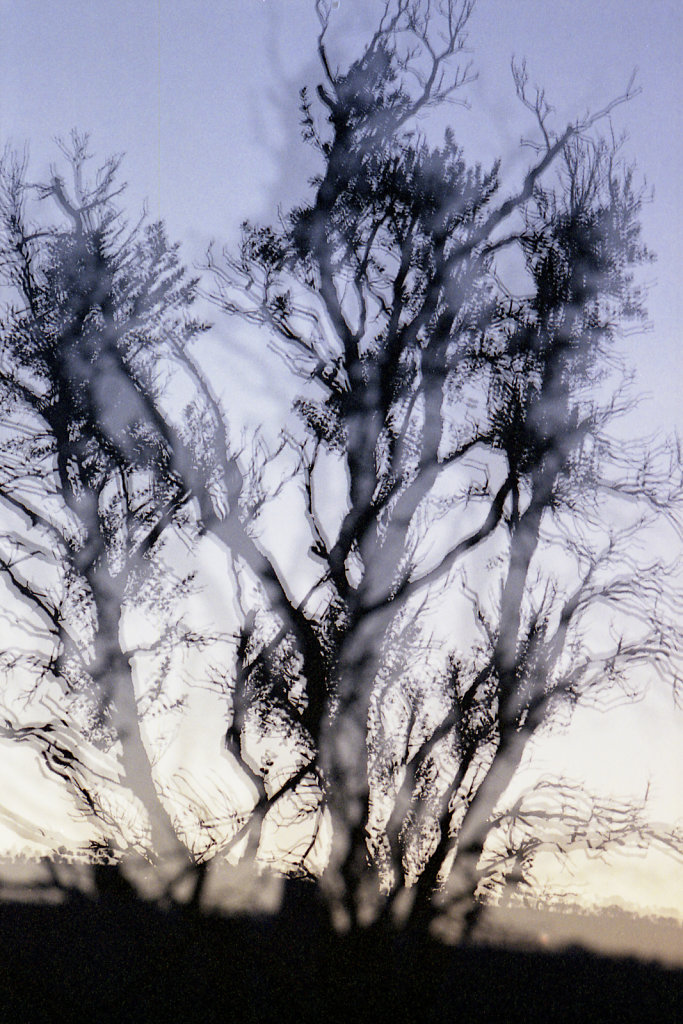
[202,97]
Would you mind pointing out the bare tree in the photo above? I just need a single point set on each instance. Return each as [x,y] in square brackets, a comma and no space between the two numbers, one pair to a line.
[468,424]
[94,470]
[380,699]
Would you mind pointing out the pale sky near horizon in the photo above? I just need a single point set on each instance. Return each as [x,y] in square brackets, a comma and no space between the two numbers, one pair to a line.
[202,98]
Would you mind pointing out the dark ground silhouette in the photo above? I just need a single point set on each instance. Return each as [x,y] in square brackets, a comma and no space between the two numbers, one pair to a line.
[120,959]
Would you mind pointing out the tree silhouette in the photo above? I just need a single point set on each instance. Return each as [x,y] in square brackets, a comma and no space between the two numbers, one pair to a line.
[468,425]
[94,470]
[492,560]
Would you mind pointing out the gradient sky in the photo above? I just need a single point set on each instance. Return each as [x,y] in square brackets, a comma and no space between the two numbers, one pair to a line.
[202,98]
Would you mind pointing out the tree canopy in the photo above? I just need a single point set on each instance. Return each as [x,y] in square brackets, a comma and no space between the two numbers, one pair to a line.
[476,544]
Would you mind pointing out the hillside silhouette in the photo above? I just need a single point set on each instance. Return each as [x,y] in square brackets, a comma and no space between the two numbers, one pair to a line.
[119,958]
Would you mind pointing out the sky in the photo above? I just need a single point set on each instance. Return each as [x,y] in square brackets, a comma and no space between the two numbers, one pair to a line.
[202,99]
